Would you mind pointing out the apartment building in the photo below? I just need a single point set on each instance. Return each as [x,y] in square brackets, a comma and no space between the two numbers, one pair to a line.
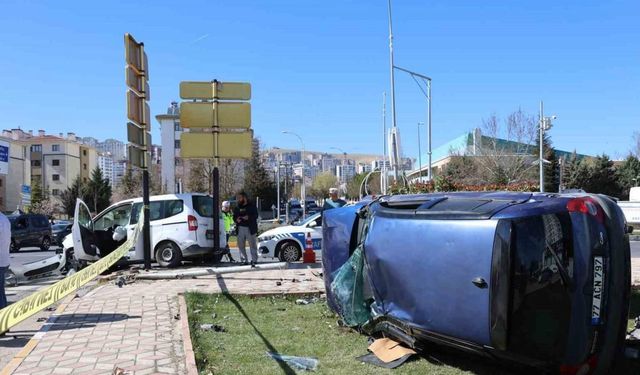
[56,160]
[15,172]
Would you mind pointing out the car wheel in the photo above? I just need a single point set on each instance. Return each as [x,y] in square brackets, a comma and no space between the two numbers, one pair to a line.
[14,247]
[46,244]
[289,252]
[168,254]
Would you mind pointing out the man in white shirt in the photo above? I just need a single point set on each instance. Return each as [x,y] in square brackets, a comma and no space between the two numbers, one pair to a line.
[5,242]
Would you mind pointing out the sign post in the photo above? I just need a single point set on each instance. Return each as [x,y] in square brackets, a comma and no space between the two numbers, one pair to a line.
[139,127]
[219,126]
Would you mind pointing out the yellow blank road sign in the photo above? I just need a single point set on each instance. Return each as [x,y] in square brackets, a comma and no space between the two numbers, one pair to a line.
[222,145]
[208,115]
[215,90]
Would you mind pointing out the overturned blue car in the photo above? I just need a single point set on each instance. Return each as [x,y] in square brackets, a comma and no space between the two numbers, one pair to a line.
[536,279]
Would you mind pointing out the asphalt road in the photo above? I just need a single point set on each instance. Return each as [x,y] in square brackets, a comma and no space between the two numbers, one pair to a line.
[635,249]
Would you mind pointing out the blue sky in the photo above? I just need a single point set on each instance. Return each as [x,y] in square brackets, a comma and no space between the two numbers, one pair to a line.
[319,67]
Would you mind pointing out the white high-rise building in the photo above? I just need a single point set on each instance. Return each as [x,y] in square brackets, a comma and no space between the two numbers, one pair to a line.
[170,131]
[345,172]
[116,148]
[105,163]
[119,169]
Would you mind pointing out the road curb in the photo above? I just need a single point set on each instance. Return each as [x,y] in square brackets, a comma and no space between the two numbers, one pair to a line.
[190,357]
[33,342]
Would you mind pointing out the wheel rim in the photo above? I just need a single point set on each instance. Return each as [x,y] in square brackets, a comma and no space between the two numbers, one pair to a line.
[290,253]
[45,243]
[13,247]
[166,254]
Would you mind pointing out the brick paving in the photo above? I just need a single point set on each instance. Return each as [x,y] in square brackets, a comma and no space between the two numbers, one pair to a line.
[135,327]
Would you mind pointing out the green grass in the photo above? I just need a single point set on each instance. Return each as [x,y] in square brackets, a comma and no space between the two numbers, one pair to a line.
[255,326]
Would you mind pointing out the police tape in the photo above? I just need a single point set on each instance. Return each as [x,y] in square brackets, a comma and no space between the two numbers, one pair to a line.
[21,310]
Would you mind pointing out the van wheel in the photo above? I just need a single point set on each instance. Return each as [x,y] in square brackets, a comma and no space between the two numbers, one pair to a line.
[289,252]
[168,254]
[14,246]
[46,244]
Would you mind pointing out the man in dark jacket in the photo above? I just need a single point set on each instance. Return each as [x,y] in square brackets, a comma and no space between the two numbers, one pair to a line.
[245,215]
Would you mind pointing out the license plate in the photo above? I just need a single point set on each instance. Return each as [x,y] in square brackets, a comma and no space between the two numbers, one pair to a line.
[209,234]
[598,288]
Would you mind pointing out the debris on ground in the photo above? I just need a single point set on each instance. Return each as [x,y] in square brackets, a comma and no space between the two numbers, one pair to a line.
[278,283]
[120,371]
[197,311]
[214,315]
[51,308]
[212,327]
[176,317]
[387,353]
[306,301]
[39,320]
[294,280]
[299,363]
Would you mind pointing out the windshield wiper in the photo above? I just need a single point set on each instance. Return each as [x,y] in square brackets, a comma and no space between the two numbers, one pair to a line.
[564,274]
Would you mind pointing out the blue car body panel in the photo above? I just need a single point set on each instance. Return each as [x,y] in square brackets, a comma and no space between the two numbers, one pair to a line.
[401,261]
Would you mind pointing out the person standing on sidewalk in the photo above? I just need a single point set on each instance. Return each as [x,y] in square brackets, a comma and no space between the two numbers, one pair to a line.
[5,243]
[245,215]
[333,201]
[227,217]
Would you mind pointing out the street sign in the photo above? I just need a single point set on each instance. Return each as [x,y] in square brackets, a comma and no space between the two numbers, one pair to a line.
[215,114]
[4,157]
[137,135]
[136,156]
[215,90]
[197,145]
[133,53]
[135,104]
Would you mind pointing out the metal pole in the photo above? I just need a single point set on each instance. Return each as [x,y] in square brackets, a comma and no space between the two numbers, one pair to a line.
[561,162]
[541,158]
[278,190]
[216,209]
[430,173]
[286,195]
[419,156]
[303,190]
[146,228]
[393,98]
[383,167]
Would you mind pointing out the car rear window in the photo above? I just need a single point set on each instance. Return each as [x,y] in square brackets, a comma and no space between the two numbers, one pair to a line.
[203,205]
[40,221]
[540,303]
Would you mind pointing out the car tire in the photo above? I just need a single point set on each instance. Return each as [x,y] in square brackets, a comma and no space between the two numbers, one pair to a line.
[46,244]
[168,254]
[289,251]
[13,248]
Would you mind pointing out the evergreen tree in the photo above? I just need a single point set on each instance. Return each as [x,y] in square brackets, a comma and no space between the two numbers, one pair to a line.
[37,194]
[258,182]
[551,170]
[628,175]
[98,191]
[69,196]
[570,172]
[599,176]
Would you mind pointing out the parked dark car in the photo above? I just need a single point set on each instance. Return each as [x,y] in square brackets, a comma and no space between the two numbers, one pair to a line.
[541,280]
[60,231]
[30,230]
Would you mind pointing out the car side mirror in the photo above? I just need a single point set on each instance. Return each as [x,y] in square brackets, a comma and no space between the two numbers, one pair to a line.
[119,234]
[312,224]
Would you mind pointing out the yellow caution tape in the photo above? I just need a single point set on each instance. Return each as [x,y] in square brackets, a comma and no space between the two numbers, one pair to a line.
[21,310]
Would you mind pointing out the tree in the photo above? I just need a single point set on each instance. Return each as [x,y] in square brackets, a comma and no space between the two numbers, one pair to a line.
[198,177]
[257,181]
[322,183]
[628,175]
[70,195]
[231,176]
[462,169]
[505,153]
[130,185]
[594,176]
[37,193]
[551,170]
[372,185]
[98,191]
[45,207]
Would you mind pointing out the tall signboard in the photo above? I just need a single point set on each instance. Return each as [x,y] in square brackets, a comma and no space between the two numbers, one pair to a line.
[4,157]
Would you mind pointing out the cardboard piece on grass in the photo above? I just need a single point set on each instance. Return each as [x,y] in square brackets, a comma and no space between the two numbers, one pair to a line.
[371,359]
[388,350]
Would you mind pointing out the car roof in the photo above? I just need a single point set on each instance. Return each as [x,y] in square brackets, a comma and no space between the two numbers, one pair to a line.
[163,197]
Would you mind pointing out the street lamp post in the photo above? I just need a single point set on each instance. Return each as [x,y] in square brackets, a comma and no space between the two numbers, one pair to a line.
[302,188]
[419,153]
[278,191]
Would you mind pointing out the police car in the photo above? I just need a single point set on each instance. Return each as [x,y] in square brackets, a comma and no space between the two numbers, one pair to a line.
[287,243]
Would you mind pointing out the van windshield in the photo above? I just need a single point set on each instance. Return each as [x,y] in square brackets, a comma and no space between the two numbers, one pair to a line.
[541,301]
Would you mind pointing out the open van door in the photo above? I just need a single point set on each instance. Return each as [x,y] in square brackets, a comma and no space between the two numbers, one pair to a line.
[84,240]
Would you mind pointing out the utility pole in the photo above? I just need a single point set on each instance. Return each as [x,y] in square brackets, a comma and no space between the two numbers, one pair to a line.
[394,140]
[278,191]
[541,158]
[383,167]
[419,153]
[430,175]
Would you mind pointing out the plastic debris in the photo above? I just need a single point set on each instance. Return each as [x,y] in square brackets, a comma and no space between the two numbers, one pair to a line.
[212,327]
[41,319]
[299,363]
[214,315]
[302,302]
[197,311]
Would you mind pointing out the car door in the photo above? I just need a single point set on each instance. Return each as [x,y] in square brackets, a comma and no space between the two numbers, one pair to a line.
[316,233]
[105,224]
[84,241]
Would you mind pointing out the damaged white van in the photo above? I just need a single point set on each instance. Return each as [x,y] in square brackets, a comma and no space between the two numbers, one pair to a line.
[181,228]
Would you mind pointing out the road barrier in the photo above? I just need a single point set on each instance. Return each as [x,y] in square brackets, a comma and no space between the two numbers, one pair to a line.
[21,310]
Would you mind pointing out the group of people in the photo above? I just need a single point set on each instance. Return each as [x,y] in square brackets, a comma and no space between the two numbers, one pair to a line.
[245,218]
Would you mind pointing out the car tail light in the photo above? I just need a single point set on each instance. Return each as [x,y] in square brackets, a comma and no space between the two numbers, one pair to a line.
[583,369]
[588,206]
[193,223]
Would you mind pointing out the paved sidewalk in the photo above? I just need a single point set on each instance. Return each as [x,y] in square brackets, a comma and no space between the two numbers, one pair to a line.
[136,327]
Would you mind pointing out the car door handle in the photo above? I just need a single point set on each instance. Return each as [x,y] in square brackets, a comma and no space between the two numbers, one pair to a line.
[480,283]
